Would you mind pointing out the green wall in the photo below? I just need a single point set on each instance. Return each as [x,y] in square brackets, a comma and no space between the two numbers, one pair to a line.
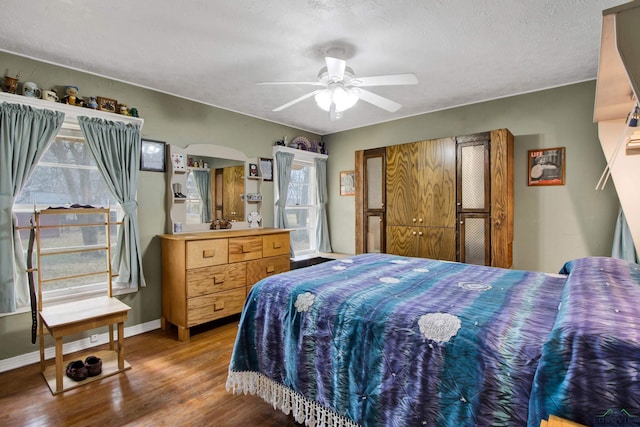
[166,118]
[552,224]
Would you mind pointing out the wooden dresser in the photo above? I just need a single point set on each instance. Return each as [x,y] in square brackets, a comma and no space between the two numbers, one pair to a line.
[206,276]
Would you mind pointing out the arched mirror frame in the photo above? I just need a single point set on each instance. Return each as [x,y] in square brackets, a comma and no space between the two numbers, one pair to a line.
[176,219]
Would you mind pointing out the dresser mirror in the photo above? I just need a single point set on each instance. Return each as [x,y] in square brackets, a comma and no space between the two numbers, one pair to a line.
[226,171]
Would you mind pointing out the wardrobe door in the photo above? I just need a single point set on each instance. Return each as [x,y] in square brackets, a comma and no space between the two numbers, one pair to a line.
[403,186]
[435,176]
[473,200]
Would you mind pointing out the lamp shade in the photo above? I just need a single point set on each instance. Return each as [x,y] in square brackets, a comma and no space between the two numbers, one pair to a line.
[338,95]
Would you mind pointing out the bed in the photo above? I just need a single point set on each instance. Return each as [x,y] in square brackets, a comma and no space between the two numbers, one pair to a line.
[384,340]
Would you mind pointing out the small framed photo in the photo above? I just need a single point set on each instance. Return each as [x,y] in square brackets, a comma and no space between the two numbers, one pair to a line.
[152,155]
[253,170]
[546,166]
[347,183]
[107,104]
[266,169]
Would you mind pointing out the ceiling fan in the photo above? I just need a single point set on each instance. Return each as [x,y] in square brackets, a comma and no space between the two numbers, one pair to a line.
[341,89]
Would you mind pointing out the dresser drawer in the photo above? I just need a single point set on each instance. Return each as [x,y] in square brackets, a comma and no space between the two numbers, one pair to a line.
[205,253]
[275,244]
[245,248]
[214,306]
[202,281]
[261,268]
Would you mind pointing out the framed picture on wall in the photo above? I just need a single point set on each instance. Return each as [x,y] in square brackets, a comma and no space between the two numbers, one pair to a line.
[152,155]
[266,168]
[347,183]
[546,166]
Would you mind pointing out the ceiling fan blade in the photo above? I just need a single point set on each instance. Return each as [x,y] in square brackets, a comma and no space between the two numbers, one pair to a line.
[295,101]
[379,101]
[388,80]
[335,67]
[291,83]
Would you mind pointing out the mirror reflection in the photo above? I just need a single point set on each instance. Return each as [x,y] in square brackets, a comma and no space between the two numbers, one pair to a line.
[216,191]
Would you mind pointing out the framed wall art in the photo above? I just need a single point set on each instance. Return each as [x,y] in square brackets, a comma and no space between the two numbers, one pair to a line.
[266,168]
[152,155]
[347,183]
[107,104]
[546,166]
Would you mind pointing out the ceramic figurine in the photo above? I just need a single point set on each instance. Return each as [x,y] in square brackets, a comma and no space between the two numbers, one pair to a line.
[133,112]
[122,109]
[71,96]
[93,103]
[11,84]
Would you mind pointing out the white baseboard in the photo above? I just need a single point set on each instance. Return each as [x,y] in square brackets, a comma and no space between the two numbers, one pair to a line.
[72,347]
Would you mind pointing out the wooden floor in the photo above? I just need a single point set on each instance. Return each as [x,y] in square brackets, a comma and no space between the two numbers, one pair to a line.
[170,383]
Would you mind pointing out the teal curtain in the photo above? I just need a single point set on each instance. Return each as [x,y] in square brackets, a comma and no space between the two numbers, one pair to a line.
[284,161]
[25,134]
[115,147]
[623,246]
[203,182]
[322,228]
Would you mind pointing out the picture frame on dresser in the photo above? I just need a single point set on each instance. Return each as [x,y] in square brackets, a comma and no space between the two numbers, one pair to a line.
[152,155]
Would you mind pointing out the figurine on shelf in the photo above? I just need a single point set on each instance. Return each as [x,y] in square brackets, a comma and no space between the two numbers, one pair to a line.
[11,83]
[71,96]
[122,109]
[93,103]
[133,112]
[323,150]
[220,224]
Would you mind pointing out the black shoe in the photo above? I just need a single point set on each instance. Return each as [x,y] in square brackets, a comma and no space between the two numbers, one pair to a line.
[77,371]
[93,365]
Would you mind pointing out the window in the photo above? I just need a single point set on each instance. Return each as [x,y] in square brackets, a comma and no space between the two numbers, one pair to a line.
[67,174]
[302,207]
[193,202]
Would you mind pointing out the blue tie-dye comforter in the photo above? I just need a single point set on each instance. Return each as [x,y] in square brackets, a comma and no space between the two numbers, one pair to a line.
[384,340]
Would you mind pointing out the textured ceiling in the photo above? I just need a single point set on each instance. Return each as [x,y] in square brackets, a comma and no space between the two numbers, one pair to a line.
[462,51]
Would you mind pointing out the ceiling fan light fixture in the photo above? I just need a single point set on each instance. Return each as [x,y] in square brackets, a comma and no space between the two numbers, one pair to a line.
[342,98]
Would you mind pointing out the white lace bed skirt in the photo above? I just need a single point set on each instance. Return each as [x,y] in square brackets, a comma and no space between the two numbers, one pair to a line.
[288,401]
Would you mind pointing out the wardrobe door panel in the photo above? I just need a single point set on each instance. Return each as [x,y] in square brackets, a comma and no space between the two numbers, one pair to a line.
[436,178]
[402,184]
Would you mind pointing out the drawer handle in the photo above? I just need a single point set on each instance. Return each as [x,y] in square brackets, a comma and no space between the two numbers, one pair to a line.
[208,253]
[246,249]
[218,280]
[271,268]
[277,245]
[218,305]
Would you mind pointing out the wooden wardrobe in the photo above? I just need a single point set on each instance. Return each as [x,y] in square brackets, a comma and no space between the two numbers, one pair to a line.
[448,198]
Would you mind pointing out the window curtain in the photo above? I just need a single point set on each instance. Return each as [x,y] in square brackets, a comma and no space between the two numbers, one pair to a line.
[203,181]
[116,149]
[25,134]
[322,228]
[623,246]
[284,161]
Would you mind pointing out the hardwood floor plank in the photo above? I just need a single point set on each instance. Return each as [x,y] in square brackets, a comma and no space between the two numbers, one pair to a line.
[170,383]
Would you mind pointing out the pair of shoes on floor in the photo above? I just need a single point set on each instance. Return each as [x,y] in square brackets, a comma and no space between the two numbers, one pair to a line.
[79,370]
[179,196]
